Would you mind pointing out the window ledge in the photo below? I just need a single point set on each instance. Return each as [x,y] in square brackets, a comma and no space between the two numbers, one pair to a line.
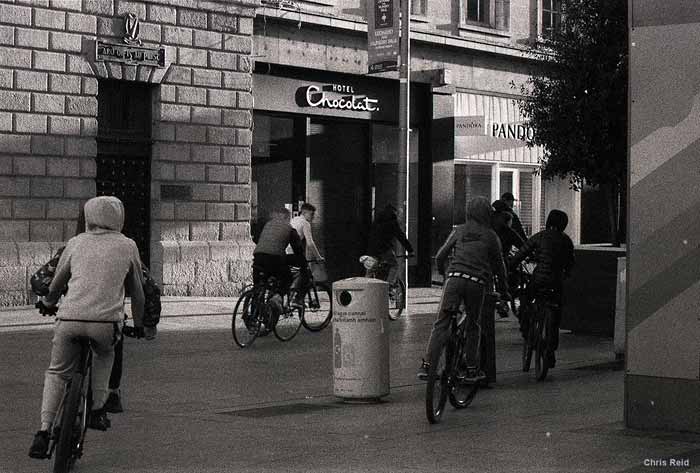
[469,28]
[420,18]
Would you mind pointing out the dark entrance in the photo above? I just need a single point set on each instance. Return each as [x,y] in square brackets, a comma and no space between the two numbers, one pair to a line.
[124,154]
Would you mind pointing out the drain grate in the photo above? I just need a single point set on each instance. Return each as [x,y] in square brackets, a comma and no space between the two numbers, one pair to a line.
[617,365]
[284,410]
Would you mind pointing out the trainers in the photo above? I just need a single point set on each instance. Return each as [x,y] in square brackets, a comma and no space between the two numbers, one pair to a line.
[114,404]
[423,371]
[99,420]
[40,445]
[276,303]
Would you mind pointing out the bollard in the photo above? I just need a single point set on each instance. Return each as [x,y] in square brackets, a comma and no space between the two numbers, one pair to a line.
[360,339]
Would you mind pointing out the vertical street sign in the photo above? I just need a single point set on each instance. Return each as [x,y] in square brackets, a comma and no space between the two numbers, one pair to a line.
[382,35]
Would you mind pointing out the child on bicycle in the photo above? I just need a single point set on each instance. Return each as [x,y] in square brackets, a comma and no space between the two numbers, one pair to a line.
[271,258]
[553,254]
[476,259]
[380,248]
[95,265]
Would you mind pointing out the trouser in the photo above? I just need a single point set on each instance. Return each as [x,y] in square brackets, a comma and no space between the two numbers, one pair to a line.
[65,356]
[458,291]
[115,376]
[555,320]
[278,266]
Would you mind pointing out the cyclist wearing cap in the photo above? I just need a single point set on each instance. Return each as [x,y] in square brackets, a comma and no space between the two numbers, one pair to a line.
[476,259]
[508,199]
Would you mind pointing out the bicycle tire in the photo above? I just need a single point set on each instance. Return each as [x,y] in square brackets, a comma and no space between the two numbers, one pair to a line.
[462,394]
[245,323]
[64,449]
[541,362]
[288,323]
[317,318]
[437,385]
[398,303]
[528,346]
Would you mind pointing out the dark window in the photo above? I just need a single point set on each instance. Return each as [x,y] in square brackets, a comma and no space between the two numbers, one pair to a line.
[419,7]
[551,17]
[475,11]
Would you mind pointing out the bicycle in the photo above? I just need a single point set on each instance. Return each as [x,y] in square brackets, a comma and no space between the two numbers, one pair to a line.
[538,336]
[67,434]
[318,303]
[397,289]
[444,380]
[257,307]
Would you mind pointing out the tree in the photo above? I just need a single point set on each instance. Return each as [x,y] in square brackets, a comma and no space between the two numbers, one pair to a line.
[576,101]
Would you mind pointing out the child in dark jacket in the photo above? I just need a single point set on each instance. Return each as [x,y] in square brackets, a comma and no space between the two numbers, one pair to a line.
[553,253]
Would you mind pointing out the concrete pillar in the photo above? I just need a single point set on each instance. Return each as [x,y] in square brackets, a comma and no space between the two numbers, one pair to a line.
[662,380]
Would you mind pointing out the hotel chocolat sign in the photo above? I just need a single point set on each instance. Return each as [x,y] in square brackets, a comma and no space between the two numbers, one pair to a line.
[336,97]
[131,52]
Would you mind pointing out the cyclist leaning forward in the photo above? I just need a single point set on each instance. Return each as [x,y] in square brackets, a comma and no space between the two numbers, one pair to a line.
[477,258]
[95,265]
[270,256]
[554,257]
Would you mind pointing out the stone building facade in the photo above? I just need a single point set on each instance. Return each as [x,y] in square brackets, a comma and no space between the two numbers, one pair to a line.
[184,171]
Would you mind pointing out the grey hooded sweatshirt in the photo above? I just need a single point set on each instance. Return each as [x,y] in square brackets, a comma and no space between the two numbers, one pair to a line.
[96,264]
[477,249]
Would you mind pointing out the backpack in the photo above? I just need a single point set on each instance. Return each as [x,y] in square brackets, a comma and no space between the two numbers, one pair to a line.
[152,307]
[41,279]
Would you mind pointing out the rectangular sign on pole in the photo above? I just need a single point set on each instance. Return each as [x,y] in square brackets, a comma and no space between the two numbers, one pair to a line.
[382,35]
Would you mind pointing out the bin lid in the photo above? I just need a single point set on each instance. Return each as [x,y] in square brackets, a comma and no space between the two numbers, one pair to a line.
[358,283]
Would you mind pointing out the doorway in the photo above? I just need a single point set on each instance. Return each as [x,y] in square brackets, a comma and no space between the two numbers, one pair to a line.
[124,155]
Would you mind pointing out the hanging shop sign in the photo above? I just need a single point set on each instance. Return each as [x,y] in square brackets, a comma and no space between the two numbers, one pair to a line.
[131,52]
[470,126]
[382,35]
[336,96]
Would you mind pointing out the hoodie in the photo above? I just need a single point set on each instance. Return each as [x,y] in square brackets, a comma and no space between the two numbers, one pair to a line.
[477,250]
[96,264]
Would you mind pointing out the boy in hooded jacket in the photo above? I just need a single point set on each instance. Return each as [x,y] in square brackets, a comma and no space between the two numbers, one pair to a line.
[553,254]
[96,266]
[476,258]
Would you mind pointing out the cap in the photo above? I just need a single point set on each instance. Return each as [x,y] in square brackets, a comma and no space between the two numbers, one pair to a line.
[507,196]
[499,206]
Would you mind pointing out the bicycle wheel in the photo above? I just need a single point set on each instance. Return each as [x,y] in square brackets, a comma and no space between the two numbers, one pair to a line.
[462,394]
[397,299]
[542,347]
[318,307]
[246,322]
[438,381]
[288,323]
[69,423]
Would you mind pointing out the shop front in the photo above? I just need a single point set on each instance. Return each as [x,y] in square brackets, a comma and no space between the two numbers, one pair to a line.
[331,140]
[483,148]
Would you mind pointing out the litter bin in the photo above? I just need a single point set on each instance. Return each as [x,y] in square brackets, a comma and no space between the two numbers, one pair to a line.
[360,339]
[488,336]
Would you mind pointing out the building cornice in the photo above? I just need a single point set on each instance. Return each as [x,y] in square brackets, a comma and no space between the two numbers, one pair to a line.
[324,20]
[232,7]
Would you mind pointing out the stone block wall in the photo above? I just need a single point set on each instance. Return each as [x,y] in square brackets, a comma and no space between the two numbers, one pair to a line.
[201,128]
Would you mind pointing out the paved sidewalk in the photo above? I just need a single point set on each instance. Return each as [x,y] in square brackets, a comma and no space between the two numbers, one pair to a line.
[181,312]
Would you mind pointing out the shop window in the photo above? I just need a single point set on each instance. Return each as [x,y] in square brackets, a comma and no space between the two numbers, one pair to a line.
[475,11]
[551,18]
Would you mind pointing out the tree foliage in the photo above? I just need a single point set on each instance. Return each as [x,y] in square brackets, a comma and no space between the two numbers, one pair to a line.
[576,99]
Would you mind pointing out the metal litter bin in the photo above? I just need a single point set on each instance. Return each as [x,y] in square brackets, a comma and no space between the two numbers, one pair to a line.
[360,339]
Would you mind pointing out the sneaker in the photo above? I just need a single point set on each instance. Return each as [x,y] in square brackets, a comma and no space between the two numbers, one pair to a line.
[114,404]
[40,445]
[276,303]
[99,420]
[423,371]
[470,375]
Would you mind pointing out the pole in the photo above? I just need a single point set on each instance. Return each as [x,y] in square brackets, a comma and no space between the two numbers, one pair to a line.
[404,118]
